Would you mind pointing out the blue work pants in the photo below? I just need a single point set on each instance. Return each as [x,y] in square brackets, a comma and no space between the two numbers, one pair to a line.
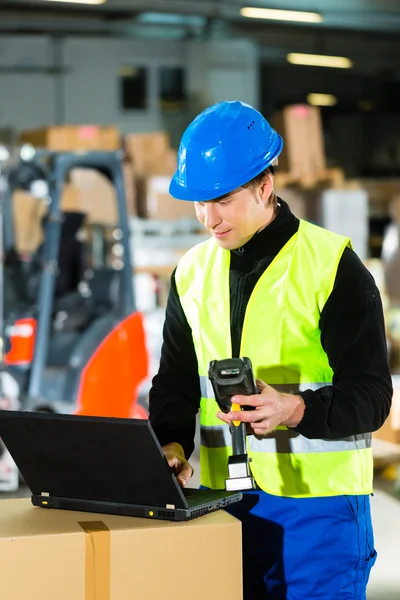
[305,548]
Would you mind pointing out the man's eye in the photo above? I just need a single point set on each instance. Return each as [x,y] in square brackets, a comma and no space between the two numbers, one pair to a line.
[224,202]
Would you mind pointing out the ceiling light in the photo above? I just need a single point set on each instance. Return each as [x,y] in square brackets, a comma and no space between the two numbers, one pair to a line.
[319,60]
[281,15]
[153,18]
[78,1]
[322,99]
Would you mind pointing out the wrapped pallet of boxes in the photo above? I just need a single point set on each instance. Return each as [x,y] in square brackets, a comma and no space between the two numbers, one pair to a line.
[69,138]
[68,555]
[303,153]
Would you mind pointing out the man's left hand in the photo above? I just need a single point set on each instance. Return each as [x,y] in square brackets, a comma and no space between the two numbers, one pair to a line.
[271,408]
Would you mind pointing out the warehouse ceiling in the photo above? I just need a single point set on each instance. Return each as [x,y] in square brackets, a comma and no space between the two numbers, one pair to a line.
[364,30]
[361,15]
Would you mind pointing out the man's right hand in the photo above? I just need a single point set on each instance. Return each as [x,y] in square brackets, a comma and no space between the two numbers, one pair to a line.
[176,459]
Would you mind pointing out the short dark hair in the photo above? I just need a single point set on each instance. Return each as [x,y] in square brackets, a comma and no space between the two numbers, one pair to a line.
[258,180]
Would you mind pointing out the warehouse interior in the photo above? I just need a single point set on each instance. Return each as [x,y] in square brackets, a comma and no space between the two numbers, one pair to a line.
[95,97]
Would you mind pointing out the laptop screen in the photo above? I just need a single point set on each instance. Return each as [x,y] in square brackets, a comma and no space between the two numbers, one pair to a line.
[90,458]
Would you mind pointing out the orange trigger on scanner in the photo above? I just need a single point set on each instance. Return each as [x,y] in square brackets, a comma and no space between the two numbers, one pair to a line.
[235,408]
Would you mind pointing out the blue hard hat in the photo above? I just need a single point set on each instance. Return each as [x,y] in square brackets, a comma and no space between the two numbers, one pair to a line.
[225,146]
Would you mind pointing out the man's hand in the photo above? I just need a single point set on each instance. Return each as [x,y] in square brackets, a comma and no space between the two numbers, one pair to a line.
[271,409]
[176,459]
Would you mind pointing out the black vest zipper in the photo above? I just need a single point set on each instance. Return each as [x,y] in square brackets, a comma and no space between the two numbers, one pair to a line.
[237,314]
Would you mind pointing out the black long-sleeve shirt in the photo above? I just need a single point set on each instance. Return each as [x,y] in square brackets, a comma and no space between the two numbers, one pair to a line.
[352,335]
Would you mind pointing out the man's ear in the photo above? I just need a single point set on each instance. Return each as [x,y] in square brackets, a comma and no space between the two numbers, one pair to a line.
[266,189]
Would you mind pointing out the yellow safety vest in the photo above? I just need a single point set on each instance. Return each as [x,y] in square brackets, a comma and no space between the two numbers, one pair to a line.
[281,336]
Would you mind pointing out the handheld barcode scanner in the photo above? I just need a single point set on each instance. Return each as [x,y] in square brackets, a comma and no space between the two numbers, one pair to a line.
[229,377]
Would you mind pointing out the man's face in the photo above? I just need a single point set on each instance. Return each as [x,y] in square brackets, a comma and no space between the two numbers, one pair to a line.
[234,219]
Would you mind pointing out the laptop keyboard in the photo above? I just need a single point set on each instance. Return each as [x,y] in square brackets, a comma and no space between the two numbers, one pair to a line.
[194,496]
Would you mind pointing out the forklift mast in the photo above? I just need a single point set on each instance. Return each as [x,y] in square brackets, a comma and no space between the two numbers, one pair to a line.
[59,165]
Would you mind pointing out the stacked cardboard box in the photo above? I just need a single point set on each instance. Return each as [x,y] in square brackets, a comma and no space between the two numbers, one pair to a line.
[67,555]
[91,192]
[155,201]
[390,431]
[303,153]
[154,163]
[65,138]
[87,191]
[28,213]
[150,153]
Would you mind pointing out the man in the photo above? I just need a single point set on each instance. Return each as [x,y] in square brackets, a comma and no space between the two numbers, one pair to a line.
[298,302]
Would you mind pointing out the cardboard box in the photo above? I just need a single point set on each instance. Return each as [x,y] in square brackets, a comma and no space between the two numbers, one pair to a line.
[390,431]
[87,191]
[303,152]
[28,213]
[168,164]
[295,199]
[155,202]
[387,433]
[68,555]
[73,137]
[91,192]
[150,153]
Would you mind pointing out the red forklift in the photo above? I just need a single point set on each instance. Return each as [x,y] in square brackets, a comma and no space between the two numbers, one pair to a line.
[78,347]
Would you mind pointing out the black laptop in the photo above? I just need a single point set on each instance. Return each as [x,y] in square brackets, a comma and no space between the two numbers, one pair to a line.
[103,465]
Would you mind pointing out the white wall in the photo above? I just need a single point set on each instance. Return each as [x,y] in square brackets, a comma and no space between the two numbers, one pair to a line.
[223,70]
[25,100]
[91,87]
[215,71]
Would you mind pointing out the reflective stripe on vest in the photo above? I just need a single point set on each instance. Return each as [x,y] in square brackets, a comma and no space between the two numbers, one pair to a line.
[280,440]
[282,338]
[283,441]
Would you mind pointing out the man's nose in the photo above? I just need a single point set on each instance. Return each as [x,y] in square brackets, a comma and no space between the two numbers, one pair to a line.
[211,215]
